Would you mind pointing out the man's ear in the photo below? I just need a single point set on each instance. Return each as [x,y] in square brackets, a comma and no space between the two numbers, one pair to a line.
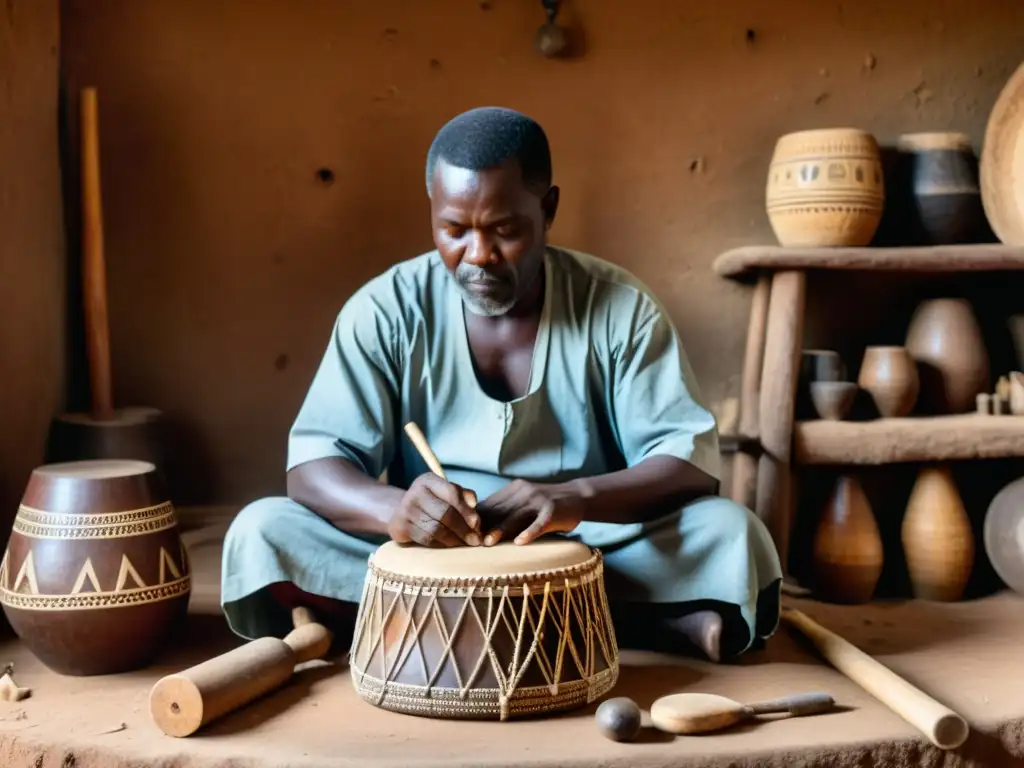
[549,204]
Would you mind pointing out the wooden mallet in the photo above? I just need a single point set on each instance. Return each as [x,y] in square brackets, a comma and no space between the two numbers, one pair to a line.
[182,703]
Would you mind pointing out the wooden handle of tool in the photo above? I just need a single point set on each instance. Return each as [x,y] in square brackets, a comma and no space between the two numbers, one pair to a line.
[182,703]
[94,278]
[943,727]
[798,705]
[419,441]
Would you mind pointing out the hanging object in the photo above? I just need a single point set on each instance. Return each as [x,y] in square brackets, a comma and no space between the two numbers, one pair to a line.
[551,39]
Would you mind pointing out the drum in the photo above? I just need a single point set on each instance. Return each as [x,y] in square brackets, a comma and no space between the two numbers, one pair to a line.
[484,632]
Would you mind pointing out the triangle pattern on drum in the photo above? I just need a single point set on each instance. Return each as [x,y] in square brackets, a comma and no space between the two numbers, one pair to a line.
[88,572]
[167,564]
[4,577]
[27,576]
[127,569]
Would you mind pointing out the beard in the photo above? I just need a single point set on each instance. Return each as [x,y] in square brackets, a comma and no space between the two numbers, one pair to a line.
[487,293]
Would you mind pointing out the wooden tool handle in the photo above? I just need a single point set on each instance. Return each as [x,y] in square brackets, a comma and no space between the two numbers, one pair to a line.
[182,703]
[943,727]
[798,705]
[94,278]
[419,441]
[308,640]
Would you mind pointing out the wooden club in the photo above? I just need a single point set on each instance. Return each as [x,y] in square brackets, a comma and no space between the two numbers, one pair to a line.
[182,703]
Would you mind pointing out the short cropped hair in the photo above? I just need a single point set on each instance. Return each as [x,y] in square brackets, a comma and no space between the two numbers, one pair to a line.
[486,137]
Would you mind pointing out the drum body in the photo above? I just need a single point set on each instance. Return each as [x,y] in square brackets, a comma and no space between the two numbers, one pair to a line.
[484,632]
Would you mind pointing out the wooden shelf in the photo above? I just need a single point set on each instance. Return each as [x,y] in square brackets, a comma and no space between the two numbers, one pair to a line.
[746,262]
[889,441]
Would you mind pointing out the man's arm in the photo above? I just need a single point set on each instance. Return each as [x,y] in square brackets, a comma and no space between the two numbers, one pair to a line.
[344,495]
[342,437]
[653,488]
[667,436]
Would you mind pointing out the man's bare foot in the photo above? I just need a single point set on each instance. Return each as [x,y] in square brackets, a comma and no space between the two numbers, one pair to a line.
[704,630]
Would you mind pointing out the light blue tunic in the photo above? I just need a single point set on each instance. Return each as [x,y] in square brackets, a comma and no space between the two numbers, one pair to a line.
[610,386]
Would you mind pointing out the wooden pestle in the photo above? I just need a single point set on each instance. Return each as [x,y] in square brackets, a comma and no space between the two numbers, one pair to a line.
[182,703]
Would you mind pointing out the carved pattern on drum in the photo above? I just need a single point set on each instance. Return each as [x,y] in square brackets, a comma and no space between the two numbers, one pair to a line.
[45,525]
[563,600]
[130,588]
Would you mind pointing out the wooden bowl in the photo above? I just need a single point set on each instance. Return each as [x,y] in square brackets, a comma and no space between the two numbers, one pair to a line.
[95,576]
[833,399]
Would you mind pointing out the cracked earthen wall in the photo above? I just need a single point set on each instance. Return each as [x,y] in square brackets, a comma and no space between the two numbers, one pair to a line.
[31,242]
[262,159]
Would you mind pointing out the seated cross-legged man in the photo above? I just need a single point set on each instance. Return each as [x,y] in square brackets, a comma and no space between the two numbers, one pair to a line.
[549,383]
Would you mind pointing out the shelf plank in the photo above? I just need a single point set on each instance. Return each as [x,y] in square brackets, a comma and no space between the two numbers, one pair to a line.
[890,441]
[747,261]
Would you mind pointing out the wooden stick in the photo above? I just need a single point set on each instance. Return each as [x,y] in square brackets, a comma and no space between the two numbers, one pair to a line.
[423,448]
[943,727]
[420,442]
[94,279]
[744,465]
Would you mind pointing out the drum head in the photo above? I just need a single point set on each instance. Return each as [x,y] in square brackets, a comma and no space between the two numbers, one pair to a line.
[95,469]
[502,559]
[1004,535]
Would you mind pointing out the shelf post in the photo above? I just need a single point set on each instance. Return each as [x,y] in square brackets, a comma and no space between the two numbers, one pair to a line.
[779,373]
[744,465]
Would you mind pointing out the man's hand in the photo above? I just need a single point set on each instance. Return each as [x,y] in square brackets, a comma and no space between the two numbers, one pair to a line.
[526,510]
[436,513]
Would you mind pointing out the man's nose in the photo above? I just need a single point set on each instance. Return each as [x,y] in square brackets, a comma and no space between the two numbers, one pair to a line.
[480,251]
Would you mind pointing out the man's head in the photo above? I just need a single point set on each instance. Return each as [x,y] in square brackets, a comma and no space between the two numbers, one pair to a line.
[491,204]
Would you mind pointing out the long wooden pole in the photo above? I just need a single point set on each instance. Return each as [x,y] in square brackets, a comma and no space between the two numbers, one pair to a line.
[94,278]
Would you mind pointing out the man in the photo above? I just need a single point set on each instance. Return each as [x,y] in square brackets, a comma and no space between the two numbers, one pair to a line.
[551,385]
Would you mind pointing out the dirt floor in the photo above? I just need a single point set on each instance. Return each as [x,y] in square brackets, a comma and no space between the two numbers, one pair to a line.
[966,655]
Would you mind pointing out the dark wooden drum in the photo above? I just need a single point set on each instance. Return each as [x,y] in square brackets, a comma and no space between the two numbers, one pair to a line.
[95,576]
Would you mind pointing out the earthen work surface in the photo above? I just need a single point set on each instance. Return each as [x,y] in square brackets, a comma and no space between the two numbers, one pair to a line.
[966,655]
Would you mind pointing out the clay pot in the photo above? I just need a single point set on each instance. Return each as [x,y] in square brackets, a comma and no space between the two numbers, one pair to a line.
[937,537]
[943,171]
[833,399]
[945,339]
[889,375]
[825,188]
[95,576]
[847,554]
[816,365]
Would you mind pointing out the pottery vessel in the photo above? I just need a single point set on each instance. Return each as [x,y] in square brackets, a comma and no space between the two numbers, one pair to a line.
[847,554]
[816,365]
[825,188]
[889,375]
[943,176]
[95,576]
[945,339]
[833,399]
[938,541]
